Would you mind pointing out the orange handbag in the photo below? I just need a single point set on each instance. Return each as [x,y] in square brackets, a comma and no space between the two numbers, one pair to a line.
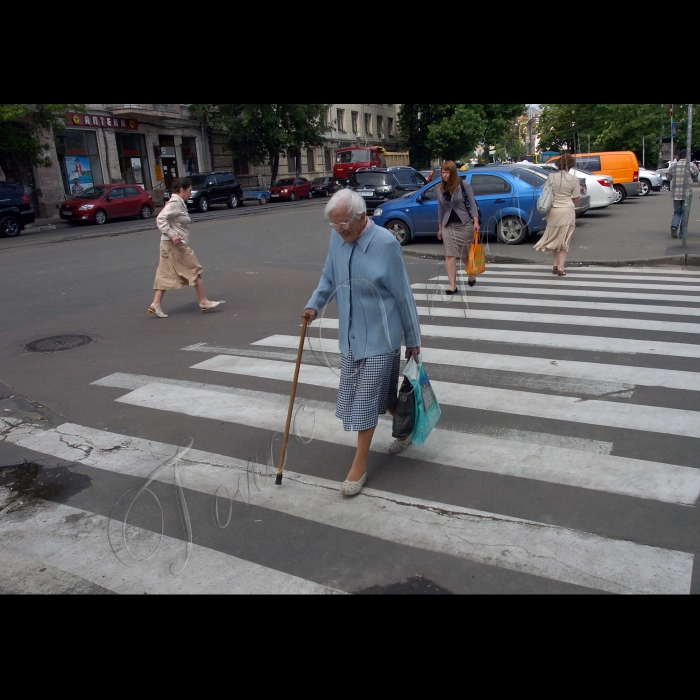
[477,257]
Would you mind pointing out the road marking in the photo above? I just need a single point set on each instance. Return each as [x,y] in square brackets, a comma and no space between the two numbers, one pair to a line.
[75,541]
[642,479]
[654,419]
[579,272]
[438,297]
[647,271]
[635,376]
[565,291]
[550,551]
[592,321]
[624,346]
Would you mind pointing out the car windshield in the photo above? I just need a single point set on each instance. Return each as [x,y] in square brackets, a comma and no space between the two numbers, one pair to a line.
[360,155]
[318,181]
[284,182]
[198,180]
[92,193]
[371,179]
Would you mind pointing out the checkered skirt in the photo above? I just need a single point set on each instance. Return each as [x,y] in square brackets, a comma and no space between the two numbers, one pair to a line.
[366,388]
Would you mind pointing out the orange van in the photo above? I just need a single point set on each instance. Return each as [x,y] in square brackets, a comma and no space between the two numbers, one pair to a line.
[622,165]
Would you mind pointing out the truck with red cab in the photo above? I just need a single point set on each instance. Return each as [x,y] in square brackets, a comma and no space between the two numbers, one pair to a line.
[350,159]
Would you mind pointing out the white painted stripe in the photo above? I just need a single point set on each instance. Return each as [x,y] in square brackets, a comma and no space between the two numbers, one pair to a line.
[641,479]
[562,290]
[549,340]
[80,546]
[642,376]
[557,553]
[598,268]
[439,297]
[567,320]
[653,419]
[579,272]
[573,281]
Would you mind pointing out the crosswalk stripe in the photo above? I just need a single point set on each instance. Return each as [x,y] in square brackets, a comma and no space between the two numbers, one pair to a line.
[74,541]
[573,281]
[566,291]
[549,551]
[671,421]
[441,297]
[569,320]
[594,270]
[591,371]
[623,346]
[642,479]
[578,272]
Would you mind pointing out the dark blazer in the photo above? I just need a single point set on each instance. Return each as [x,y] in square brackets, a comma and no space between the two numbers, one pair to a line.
[456,203]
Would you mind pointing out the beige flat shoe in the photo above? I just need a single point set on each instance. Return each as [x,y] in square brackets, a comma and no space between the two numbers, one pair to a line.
[214,304]
[399,445]
[156,312]
[352,488]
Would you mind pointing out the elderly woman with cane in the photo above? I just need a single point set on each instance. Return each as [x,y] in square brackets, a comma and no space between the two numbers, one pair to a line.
[365,272]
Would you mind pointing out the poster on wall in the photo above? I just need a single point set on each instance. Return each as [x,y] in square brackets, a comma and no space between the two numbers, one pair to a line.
[79,174]
[138,172]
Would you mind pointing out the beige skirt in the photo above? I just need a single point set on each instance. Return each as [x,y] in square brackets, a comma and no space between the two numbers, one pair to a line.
[178,267]
[561,222]
[457,238]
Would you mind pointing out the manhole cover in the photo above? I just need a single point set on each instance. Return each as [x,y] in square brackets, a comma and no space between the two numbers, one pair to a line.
[56,343]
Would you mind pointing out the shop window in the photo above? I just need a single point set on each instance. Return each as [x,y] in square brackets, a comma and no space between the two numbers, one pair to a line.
[133,159]
[79,160]
[189,155]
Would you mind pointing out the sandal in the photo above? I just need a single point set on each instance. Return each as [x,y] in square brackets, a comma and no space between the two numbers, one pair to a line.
[158,312]
[561,273]
[555,270]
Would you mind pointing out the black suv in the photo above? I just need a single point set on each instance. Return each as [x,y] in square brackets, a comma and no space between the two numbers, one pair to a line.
[378,185]
[213,188]
[16,211]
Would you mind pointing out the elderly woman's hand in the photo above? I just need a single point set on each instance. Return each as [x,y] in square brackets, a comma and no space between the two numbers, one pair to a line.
[413,352]
[310,315]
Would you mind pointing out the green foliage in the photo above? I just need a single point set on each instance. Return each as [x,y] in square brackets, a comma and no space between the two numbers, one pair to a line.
[22,142]
[452,131]
[261,132]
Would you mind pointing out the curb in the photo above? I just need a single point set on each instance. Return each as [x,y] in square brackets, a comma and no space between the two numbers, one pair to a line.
[683,260]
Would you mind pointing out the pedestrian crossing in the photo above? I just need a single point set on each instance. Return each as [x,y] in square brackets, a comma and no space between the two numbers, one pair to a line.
[579,430]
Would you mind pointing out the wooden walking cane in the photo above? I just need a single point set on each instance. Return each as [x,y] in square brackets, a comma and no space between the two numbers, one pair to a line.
[283,453]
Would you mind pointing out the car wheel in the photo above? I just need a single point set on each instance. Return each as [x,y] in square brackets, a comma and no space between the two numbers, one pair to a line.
[401,231]
[511,230]
[620,195]
[203,204]
[146,212]
[263,199]
[665,186]
[232,202]
[100,217]
[311,194]
[9,226]
[326,193]
[292,197]
[644,187]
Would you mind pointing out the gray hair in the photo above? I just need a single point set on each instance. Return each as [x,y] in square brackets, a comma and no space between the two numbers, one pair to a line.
[349,198]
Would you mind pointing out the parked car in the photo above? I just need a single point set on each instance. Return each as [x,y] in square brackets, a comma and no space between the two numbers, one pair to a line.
[584,202]
[599,187]
[323,186]
[649,181]
[291,188]
[506,195]
[262,196]
[622,165]
[379,185]
[16,210]
[220,187]
[100,203]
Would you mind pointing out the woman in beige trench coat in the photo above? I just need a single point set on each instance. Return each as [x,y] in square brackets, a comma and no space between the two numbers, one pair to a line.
[178,265]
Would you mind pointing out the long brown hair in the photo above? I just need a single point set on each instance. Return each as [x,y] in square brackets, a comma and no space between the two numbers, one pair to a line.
[566,162]
[453,183]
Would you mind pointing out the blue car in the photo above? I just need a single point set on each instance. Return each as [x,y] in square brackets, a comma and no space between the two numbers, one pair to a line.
[507,196]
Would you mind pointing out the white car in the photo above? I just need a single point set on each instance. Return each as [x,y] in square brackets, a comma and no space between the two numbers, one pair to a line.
[649,180]
[600,187]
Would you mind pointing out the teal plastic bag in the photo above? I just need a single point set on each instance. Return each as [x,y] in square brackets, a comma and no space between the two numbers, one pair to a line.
[427,407]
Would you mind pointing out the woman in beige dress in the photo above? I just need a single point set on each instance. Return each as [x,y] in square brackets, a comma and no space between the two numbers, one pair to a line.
[457,221]
[561,218]
[178,265]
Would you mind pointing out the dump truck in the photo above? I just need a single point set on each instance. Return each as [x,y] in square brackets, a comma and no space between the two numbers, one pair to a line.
[352,158]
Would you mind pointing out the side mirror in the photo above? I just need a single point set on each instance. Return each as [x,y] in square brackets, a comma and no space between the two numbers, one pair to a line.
[419,199]
[109,199]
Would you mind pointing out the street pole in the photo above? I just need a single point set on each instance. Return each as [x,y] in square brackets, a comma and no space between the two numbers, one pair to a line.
[688,161]
[643,154]
[671,134]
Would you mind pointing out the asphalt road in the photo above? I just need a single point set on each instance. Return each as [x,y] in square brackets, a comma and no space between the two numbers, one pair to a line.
[600,468]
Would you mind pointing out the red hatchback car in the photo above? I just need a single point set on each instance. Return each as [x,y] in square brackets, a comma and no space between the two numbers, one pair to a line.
[291,188]
[103,202]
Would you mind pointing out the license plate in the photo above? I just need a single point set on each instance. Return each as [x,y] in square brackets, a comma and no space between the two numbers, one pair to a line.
[366,193]
[67,213]
[274,195]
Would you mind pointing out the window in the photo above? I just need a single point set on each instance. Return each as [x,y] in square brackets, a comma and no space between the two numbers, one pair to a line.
[310,160]
[133,159]
[341,119]
[489,184]
[588,162]
[532,178]
[291,163]
[405,177]
[116,194]
[131,192]
[368,124]
[327,159]
[355,126]
[79,158]
[240,166]
[431,194]
[189,155]
[390,126]
[373,179]
[380,125]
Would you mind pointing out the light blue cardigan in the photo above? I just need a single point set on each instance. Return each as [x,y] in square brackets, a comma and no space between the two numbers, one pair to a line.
[380,308]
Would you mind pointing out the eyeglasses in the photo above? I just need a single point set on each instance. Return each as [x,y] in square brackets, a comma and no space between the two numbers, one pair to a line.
[342,224]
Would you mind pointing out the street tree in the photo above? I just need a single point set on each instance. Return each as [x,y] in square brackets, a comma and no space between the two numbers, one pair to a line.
[25,131]
[262,132]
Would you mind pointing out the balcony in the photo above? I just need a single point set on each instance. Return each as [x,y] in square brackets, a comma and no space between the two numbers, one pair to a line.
[146,110]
